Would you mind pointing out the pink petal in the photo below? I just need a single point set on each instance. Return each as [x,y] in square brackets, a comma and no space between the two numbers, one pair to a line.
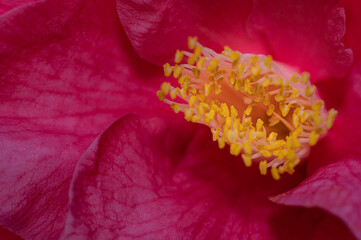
[343,139]
[352,37]
[353,101]
[7,235]
[157,28]
[66,72]
[334,188]
[7,5]
[288,30]
[333,92]
[152,179]
[306,34]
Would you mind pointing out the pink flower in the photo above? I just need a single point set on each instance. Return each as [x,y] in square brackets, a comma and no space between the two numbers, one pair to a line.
[88,152]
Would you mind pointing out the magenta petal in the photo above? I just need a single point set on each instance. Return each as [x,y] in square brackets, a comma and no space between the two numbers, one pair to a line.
[151,179]
[343,139]
[334,188]
[306,34]
[353,24]
[353,100]
[7,235]
[7,5]
[157,28]
[66,72]
[298,223]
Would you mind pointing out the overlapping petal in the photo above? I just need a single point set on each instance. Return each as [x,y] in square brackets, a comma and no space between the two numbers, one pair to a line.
[145,178]
[335,164]
[352,37]
[7,5]
[67,72]
[306,34]
[342,141]
[334,188]
[7,235]
[157,28]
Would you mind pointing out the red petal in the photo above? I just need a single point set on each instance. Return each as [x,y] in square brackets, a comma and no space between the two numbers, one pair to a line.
[312,224]
[7,5]
[66,72]
[157,28]
[353,101]
[152,179]
[343,139]
[334,188]
[288,30]
[7,235]
[306,34]
[352,37]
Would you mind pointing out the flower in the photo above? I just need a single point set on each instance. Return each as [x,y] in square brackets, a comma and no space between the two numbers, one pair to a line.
[248,103]
[68,72]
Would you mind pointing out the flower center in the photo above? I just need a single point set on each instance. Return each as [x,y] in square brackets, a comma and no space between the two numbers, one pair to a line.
[248,104]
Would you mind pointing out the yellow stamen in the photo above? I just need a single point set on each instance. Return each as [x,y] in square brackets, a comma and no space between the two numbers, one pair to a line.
[268,62]
[259,124]
[270,109]
[160,95]
[192,42]
[314,138]
[331,118]
[178,56]
[263,167]
[272,137]
[247,160]
[275,173]
[167,69]
[249,105]
[175,107]
[248,110]
[236,148]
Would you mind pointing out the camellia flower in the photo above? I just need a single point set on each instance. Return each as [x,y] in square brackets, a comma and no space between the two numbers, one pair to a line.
[89,152]
[214,87]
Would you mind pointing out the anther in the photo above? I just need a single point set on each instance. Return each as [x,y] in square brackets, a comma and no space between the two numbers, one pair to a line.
[249,105]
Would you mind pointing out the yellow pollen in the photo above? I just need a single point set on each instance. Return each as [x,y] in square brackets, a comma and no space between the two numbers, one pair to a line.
[275,173]
[247,160]
[167,70]
[192,42]
[175,107]
[178,56]
[248,110]
[331,118]
[165,87]
[270,110]
[272,137]
[249,105]
[160,95]
[263,167]
[314,138]
[236,148]
[268,62]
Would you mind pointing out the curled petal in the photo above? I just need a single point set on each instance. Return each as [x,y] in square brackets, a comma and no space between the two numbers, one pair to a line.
[352,37]
[66,72]
[334,188]
[157,28]
[147,178]
[343,139]
[306,34]
[7,5]
[7,235]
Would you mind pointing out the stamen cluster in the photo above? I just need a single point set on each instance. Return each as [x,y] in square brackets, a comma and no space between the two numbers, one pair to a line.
[248,104]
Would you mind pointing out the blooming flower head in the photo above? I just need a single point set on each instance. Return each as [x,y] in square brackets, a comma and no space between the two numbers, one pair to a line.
[249,104]
[88,151]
